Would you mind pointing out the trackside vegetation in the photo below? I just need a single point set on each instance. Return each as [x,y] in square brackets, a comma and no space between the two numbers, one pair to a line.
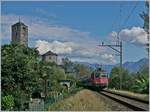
[135,82]
[23,73]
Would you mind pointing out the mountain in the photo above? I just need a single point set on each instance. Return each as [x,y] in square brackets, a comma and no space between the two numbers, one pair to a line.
[94,66]
[130,66]
[135,66]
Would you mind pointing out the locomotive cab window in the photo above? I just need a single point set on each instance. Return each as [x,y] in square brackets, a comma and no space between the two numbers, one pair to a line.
[97,75]
[103,75]
[92,76]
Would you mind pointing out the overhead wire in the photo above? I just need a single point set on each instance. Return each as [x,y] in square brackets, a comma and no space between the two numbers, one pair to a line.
[130,14]
[116,18]
[119,25]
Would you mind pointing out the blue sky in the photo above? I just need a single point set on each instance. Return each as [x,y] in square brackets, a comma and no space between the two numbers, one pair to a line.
[74,29]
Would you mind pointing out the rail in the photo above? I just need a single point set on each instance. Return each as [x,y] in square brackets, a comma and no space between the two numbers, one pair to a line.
[131,102]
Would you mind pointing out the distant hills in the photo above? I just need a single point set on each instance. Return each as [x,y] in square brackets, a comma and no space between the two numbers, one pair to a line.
[130,66]
[135,66]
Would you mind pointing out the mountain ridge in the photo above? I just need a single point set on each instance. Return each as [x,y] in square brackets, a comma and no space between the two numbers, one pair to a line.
[130,66]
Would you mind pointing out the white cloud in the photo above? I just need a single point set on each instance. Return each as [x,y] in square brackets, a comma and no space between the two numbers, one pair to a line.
[76,52]
[96,59]
[43,29]
[112,36]
[45,13]
[6,22]
[135,35]
[63,40]
[62,33]
[108,57]
[55,46]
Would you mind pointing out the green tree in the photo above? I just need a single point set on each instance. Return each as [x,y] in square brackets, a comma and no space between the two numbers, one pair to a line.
[136,82]
[58,73]
[126,79]
[144,69]
[141,80]
[82,70]
[50,74]
[115,78]
[67,65]
[141,84]
[20,73]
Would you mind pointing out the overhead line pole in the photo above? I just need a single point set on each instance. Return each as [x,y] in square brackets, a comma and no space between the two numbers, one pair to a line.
[115,48]
[121,64]
[119,44]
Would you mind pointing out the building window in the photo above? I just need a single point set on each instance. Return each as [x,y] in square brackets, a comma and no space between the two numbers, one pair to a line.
[50,57]
[24,28]
[16,34]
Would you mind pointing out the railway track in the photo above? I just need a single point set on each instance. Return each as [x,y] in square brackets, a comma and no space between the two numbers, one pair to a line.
[130,102]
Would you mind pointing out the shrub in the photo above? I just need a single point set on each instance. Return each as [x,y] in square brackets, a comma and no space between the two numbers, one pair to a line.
[8,102]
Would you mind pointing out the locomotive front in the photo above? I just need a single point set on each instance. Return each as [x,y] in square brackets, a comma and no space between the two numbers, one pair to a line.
[99,78]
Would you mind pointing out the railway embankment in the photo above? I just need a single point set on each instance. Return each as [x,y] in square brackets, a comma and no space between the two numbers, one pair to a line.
[144,97]
[87,100]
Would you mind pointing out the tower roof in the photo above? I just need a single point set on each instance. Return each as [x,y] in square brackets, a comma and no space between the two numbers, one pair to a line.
[19,23]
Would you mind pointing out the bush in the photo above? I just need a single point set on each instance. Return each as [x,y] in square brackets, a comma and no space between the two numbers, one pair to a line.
[8,102]
[136,82]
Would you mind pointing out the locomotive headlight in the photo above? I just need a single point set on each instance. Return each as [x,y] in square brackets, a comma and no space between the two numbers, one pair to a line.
[96,82]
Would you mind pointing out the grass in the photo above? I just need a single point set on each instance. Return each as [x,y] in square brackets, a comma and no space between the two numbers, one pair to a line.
[51,100]
[84,100]
[144,97]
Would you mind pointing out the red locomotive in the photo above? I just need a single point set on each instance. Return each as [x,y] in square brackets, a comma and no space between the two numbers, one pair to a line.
[99,78]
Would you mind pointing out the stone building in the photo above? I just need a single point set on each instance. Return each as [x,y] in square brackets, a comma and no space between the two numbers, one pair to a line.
[20,34]
[50,57]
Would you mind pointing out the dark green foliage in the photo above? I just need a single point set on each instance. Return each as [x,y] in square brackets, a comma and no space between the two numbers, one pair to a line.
[78,70]
[23,74]
[141,84]
[57,74]
[8,102]
[136,82]
[69,77]
[141,80]
[82,70]
[19,72]
[114,76]
[68,65]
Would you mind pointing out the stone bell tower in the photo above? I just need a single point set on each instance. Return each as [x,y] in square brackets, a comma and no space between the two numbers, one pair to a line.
[20,34]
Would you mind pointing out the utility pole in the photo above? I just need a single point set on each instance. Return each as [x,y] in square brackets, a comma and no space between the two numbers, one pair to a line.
[147,44]
[120,64]
[45,84]
[119,51]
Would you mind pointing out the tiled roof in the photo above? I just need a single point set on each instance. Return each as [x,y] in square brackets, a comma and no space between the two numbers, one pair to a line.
[49,53]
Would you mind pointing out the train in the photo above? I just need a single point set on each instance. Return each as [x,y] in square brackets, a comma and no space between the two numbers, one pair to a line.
[98,79]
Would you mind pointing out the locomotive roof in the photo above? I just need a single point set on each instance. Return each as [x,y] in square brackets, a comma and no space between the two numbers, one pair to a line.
[102,71]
